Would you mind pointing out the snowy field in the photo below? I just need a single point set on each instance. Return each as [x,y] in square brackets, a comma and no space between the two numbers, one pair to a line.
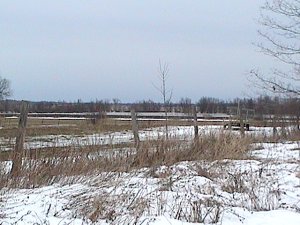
[263,189]
[109,138]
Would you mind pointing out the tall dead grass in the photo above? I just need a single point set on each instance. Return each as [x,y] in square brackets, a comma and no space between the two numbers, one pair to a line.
[43,169]
[212,146]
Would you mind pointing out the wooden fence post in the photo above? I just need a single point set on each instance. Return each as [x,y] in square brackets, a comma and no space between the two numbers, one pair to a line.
[274,118]
[135,128]
[240,113]
[196,129]
[19,147]
[242,128]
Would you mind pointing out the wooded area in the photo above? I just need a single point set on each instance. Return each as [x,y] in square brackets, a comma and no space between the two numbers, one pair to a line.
[262,105]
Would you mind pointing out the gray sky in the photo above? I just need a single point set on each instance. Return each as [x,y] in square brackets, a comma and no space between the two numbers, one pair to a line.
[93,49]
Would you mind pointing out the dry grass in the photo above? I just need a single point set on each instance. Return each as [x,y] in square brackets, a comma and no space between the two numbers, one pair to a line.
[68,165]
[47,166]
[38,127]
[213,146]
[41,127]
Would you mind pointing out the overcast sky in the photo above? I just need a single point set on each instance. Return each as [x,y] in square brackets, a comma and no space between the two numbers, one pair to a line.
[94,49]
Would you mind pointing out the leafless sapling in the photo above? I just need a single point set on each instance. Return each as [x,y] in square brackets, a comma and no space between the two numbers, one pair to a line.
[163,70]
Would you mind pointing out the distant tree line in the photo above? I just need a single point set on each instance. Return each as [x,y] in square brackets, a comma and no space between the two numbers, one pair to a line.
[261,105]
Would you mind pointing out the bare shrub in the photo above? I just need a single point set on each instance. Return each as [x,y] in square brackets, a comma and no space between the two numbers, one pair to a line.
[235,183]
[205,211]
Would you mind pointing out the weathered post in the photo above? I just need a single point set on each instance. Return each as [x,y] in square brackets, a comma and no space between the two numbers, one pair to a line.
[240,113]
[283,127]
[135,128]
[274,118]
[196,129]
[230,123]
[19,147]
[242,128]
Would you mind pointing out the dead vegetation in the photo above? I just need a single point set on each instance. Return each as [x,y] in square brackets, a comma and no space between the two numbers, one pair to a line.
[47,166]
[213,146]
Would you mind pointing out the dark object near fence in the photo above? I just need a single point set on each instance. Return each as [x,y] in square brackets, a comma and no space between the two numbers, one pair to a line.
[236,126]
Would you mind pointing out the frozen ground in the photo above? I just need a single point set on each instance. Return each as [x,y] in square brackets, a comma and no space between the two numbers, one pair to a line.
[263,190]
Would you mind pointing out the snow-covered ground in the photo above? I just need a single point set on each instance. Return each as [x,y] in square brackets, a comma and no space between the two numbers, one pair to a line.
[262,190]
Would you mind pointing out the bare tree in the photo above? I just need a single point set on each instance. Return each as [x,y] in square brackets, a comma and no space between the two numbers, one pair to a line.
[163,70]
[186,105]
[280,31]
[5,90]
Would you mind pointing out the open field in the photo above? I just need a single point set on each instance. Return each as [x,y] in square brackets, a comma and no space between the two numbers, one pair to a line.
[75,172]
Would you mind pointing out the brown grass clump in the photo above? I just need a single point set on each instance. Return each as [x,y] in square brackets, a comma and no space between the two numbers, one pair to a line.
[223,146]
[207,147]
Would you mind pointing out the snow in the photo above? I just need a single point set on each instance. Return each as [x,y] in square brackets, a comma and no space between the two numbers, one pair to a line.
[264,218]
[262,190]
[279,151]
[276,217]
